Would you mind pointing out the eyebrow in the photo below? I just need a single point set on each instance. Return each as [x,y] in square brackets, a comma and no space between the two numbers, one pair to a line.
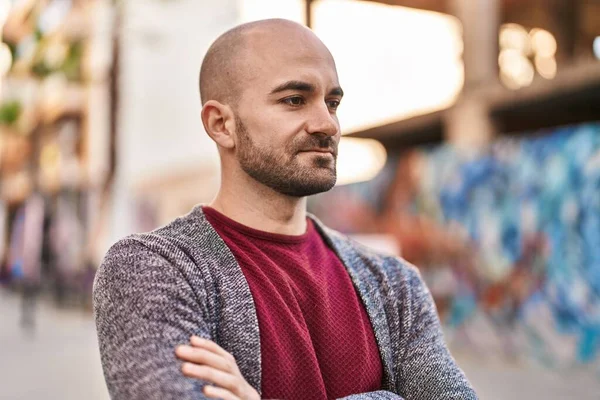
[304,87]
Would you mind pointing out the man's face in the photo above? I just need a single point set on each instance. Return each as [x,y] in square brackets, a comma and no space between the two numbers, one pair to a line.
[286,125]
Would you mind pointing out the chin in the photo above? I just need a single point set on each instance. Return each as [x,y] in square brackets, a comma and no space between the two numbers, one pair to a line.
[317,184]
[324,185]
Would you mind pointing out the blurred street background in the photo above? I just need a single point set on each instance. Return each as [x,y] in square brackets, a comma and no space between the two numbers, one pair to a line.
[471,148]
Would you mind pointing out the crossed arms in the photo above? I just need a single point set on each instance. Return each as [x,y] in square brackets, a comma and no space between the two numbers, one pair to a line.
[145,311]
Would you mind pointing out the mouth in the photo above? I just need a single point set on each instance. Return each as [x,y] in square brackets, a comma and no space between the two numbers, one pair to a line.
[321,151]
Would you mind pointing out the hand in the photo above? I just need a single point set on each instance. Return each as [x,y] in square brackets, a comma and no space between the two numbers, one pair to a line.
[206,360]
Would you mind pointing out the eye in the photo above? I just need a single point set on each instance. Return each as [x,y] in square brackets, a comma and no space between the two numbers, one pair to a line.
[333,104]
[294,101]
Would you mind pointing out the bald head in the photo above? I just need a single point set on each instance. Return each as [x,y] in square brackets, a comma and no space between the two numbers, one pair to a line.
[232,59]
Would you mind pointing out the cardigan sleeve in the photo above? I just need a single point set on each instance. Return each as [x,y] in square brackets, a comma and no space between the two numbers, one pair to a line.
[427,369]
[144,308]
[378,395]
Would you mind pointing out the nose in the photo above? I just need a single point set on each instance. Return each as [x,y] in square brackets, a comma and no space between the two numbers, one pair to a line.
[322,121]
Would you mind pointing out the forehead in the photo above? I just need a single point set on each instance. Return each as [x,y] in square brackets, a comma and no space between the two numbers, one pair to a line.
[272,59]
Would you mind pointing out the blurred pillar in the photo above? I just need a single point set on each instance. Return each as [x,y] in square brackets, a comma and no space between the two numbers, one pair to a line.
[480,22]
[160,133]
[308,11]
[468,124]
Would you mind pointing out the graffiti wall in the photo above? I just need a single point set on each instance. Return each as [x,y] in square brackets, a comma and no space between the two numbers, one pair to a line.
[508,241]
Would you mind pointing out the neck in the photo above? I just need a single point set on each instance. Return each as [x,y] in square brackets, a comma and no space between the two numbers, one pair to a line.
[260,207]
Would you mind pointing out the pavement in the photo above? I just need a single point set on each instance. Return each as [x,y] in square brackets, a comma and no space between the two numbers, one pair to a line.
[60,360]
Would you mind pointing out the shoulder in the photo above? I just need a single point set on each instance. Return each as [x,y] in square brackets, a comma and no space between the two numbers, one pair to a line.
[358,253]
[395,281]
[398,279]
[392,268]
[173,241]
[130,268]
[155,255]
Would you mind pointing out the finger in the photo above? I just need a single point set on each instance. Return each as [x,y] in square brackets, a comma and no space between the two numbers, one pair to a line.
[209,374]
[209,345]
[215,392]
[202,356]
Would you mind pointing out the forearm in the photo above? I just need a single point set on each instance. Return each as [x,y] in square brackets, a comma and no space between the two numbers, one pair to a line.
[378,395]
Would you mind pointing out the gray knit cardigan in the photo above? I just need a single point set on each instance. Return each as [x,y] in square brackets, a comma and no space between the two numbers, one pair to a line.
[154,290]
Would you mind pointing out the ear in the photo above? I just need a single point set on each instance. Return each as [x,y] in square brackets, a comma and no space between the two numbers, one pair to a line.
[219,123]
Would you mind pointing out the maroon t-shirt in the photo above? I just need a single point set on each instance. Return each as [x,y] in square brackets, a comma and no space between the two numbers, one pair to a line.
[315,335]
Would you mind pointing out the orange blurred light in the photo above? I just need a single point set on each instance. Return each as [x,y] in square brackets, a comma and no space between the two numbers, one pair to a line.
[546,66]
[514,36]
[543,42]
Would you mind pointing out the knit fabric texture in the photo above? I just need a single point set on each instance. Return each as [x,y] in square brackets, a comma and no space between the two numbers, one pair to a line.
[155,290]
[315,335]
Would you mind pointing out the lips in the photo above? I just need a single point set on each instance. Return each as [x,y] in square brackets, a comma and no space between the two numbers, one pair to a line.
[324,151]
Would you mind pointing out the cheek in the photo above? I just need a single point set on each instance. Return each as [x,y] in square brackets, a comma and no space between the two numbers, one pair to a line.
[276,132]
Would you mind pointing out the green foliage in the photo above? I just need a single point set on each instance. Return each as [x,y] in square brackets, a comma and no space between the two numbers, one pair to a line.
[72,65]
[10,112]
[41,69]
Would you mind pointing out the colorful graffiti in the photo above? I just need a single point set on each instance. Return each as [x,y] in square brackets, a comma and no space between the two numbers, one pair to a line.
[508,241]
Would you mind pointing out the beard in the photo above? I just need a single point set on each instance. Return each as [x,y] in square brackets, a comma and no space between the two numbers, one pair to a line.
[282,170]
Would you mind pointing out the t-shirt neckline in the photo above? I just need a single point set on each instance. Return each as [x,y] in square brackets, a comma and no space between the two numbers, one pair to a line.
[256,233]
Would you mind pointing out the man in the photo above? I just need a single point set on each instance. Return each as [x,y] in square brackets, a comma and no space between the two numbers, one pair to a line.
[249,297]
